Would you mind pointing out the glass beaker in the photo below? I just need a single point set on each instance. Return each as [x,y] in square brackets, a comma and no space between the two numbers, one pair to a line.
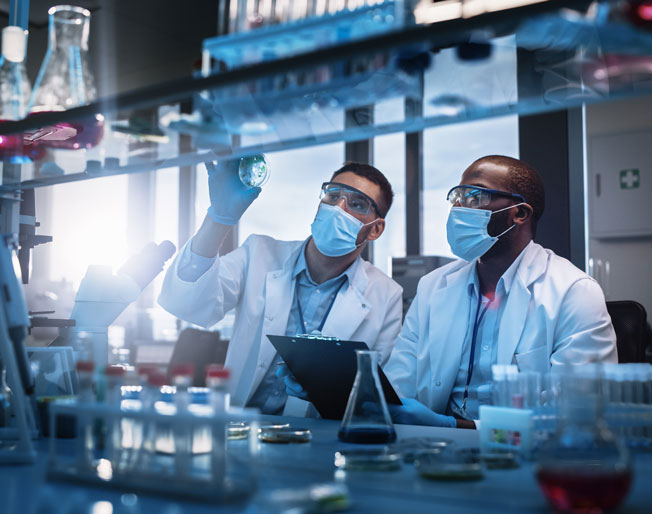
[583,467]
[366,419]
[65,80]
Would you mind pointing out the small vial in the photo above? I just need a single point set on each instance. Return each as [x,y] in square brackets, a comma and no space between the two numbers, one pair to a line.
[217,381]
[182,376]
[85,370]
[114,382]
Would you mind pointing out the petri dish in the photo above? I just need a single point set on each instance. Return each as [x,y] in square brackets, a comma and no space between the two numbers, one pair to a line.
[372,459]
[275,426]
[254,170]
[411,446]
[238,430]
[500,460]
[285,435]
[449,465]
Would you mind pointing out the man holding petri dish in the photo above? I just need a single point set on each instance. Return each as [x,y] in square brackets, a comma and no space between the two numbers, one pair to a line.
[506,301]
[319,285]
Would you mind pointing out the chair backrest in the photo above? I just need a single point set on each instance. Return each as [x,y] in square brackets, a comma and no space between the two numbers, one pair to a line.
[630,323]
[199,348]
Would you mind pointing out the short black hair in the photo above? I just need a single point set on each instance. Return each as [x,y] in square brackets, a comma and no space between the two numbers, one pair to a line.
[524,180]
[374,175]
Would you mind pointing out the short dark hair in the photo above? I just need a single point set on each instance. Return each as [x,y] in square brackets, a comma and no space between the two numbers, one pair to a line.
[524,180]
[374,175]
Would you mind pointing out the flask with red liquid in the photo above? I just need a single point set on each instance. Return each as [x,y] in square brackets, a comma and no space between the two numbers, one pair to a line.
[65,81]
[584,467]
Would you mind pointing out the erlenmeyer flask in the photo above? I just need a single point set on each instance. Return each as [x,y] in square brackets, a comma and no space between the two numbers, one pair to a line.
[366,419]
[584,467]
[65,80]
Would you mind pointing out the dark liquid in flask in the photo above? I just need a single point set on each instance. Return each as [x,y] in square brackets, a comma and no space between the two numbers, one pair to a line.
[367,435]
[584,490]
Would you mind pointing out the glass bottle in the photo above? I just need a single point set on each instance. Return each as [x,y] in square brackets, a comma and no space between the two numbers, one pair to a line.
[366,419]
[15,88]
[584,467]
[65,80]
[217,382]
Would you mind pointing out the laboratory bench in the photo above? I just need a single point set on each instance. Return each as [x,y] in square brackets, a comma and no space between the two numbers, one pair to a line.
[25,489]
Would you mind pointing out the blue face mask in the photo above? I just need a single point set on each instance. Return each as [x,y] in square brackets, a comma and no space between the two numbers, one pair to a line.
[335,231]
[466,231]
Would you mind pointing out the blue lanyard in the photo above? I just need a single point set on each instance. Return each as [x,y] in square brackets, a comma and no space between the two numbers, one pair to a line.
[478,320]
[330,306]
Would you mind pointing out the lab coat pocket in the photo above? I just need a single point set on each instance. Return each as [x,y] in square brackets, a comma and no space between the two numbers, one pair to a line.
[537,359]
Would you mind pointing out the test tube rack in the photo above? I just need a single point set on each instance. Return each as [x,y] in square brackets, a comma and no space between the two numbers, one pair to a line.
[133,449]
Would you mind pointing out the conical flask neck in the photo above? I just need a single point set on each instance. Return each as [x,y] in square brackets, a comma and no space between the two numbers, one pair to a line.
[69,27]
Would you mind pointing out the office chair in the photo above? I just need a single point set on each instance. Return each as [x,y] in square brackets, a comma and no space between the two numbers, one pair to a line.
[199,348]
[632,331]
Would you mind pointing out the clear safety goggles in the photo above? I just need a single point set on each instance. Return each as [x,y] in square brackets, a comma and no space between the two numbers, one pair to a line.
[356,201]
[477,197]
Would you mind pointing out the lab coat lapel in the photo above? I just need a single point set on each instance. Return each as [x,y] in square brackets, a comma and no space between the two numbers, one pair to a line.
[447,338]
[350,308]
[512,323]
[279,294]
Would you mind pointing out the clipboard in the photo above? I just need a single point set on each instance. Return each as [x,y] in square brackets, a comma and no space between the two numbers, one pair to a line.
[326,369]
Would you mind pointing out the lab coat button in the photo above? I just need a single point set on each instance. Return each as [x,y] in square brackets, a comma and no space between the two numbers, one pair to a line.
[438,383]
[485,347]
[270,318]
[364,305]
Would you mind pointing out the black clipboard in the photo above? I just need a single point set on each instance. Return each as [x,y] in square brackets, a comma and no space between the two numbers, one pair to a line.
[326,369]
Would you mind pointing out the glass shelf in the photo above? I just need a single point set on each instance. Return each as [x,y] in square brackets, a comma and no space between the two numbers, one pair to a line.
[527,60]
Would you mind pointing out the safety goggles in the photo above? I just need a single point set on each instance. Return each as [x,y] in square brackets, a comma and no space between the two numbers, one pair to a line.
[477,197]
[356,201]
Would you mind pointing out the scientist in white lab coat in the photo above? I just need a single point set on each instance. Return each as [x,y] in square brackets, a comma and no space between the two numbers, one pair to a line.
[506,301]
[288,287]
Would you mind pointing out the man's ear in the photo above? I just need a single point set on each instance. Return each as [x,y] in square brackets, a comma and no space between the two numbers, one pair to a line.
[523,214]
[376,229]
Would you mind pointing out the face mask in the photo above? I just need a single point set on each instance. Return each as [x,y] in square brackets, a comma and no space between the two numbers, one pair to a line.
[466,231]
[335,231]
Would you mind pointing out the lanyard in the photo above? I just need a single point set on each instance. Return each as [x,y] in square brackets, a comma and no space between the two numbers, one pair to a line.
[476,325]
[330,306]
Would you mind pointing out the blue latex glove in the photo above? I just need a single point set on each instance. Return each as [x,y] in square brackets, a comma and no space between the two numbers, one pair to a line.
[292,387]
[413,412]
[229,196]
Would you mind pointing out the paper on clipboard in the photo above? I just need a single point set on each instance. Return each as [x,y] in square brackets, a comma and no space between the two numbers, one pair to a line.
[326,369]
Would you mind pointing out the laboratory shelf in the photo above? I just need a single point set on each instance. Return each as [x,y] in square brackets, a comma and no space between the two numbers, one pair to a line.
[404,77]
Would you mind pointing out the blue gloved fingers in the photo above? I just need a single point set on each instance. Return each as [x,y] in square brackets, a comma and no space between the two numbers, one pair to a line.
[293,388]
[229,197]
[282,371]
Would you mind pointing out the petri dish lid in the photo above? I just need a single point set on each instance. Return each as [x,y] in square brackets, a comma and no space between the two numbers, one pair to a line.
[371,459]
[285,435]
[238,430]
[449,465]
[410,446]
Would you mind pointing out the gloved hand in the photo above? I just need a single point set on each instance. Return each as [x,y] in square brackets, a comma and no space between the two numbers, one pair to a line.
[229,196]
[413,412]
[292,387]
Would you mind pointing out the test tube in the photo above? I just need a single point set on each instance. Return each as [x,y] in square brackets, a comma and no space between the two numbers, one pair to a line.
[146,450]
[85,371]
[182,376]
[114,381]
[217,381]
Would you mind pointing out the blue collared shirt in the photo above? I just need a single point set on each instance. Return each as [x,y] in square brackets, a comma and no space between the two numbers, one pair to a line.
[486,346]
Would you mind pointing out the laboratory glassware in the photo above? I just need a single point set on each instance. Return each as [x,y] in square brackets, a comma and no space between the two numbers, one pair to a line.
[217,381]
[254,170]
[366,419]
[583,467]
[15,88]
[65,80]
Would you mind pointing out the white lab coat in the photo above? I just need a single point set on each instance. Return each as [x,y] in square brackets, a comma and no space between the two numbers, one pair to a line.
[256,279]
[554,314]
